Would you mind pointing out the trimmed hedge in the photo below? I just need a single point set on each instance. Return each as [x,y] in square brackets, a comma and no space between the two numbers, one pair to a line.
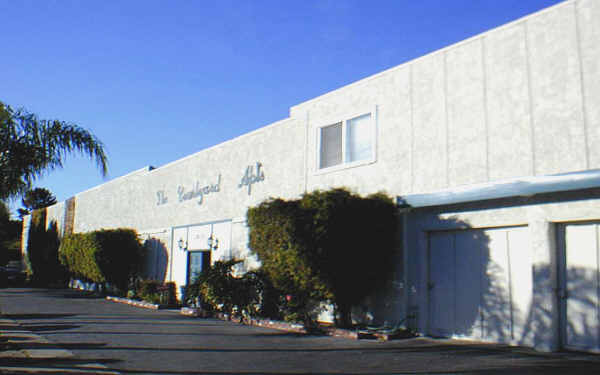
[105,256]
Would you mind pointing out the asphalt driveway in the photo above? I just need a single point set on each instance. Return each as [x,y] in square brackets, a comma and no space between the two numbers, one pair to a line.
[132,340]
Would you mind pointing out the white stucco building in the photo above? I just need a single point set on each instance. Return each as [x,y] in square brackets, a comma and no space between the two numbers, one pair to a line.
[491,145]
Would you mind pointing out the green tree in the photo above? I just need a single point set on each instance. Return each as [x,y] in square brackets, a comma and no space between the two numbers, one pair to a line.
[30,146]
[36,198]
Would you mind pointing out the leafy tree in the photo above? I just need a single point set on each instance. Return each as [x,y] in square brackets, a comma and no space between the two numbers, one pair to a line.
[36,198]
[30,146]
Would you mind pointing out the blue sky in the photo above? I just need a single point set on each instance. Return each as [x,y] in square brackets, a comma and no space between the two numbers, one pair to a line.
[159,80]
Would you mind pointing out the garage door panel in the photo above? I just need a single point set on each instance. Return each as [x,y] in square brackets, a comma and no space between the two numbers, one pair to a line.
[521,280]
[483,306]
[581,258]
[441,284]
[495,282]
[468,284]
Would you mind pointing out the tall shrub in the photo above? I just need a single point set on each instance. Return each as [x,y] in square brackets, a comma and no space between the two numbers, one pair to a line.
[327,246]
[279,237]
[104,256]
[43,266]
[352,241]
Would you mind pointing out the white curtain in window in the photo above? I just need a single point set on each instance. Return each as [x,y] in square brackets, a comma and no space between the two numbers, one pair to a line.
[359,142]
[331,145]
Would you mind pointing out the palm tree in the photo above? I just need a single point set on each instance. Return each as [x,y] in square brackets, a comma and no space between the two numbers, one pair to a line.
[30,146]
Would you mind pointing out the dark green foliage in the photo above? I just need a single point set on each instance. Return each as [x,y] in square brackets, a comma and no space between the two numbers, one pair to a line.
[43,267]
[270,298]
[218,290]
[30,146]
[351,244]
[104,256]
[35,199]
[328,246]
[4,212]
[156,292]
[10,236]
[280,236]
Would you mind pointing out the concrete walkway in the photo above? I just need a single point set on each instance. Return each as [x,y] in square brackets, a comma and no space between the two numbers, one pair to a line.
[69,332]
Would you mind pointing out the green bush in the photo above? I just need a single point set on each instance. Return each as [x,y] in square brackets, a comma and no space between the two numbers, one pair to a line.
[279,235]
[10,240]
[43,266]
[327,246]
[218,290]
[156,292]
[104,256]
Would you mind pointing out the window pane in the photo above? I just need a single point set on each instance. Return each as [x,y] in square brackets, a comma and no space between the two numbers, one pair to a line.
[331,145]
[359,143]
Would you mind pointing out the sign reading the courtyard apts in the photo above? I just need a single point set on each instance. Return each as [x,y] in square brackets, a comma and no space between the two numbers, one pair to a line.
[197,191]
[252,176]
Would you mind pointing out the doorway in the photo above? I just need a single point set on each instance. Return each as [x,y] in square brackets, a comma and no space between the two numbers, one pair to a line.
[579,285]
[198,261]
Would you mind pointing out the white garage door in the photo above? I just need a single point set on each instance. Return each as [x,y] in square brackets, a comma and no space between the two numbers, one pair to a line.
[579,281]
[480,283]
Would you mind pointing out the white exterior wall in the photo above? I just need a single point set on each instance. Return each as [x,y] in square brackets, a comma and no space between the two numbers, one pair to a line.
[56,214]
[519,100]
[131,201]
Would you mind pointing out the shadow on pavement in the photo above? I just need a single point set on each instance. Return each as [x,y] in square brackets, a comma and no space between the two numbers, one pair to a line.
[36,316]
[49,327]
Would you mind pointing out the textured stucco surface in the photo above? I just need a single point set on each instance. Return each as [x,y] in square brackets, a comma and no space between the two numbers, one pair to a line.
[515,101]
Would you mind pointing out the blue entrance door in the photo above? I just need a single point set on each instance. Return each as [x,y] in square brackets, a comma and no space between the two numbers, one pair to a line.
[197,261]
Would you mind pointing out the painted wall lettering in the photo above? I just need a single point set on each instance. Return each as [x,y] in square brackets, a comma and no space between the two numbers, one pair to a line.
[198,191]
[250,177]
[161,198]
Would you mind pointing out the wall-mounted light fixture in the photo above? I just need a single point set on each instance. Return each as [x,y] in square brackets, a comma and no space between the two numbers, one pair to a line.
[182,244]
[213,243]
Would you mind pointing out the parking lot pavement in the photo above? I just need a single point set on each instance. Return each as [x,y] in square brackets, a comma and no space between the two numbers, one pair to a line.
[131,340]
[23,351]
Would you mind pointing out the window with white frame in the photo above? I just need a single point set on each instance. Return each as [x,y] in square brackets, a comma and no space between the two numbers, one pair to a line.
[346,142]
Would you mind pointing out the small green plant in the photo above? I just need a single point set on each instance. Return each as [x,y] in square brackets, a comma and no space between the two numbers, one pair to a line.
[154,291]
[217,289]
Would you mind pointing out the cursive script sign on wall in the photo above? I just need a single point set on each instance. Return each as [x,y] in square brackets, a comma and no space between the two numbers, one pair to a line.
[198,191]
[252,176]
[184,194]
